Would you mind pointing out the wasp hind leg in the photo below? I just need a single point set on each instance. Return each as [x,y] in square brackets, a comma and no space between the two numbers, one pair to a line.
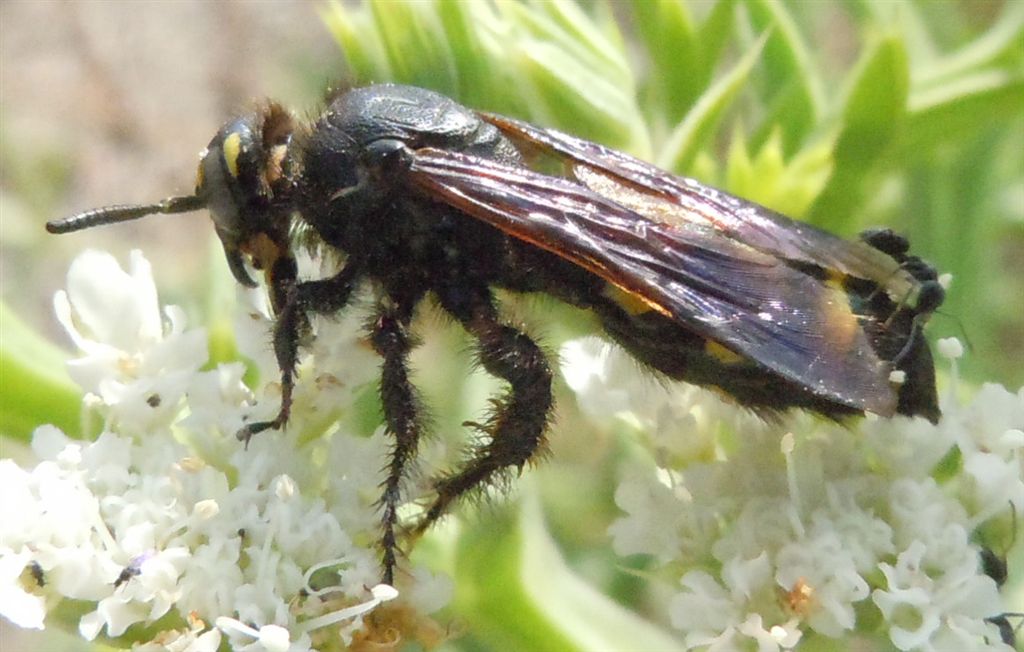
[515,428]
[390,338]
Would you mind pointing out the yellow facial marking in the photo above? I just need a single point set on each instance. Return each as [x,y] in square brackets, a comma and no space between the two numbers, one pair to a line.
[722,354]
[200,176]
[232,148]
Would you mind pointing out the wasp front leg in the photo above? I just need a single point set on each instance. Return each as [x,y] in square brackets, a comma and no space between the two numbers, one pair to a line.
[297,301]
[515,428]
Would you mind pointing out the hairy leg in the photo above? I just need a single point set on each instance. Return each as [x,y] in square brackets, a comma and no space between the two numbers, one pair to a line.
[390,338]
[515,429]
[297,302]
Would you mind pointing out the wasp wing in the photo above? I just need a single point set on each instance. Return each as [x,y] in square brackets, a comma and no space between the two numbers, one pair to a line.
[640,184]
[729,292]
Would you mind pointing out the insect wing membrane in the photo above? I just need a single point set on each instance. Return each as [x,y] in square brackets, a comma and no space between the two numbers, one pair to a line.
[783,319]
[763,229]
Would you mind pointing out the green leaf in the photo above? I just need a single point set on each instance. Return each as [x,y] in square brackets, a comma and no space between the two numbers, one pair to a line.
[566,94]
[467,27]
[683,54]
[359,40]
[963,106]
[517,593]
[953,209]
[36,388]
[788,79]
[876,102]
[1002,41]
[872,117]
[667,31]
[415,44]
[788,187]
[563,25]
[700,123]
[715,32]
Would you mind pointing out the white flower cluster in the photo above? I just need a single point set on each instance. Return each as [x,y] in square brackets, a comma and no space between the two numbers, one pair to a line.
[803,529]
[165,516]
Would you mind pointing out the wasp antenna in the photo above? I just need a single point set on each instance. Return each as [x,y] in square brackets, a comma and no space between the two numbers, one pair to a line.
[123,213]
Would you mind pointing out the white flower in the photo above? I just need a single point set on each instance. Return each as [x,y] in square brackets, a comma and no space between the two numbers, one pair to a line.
[656,517]
[21,607]
[195,638]
[718,616]
[704,608]
[773,544]
[268,638]
[588,369]
[136,364]
[167,514]
[822,563]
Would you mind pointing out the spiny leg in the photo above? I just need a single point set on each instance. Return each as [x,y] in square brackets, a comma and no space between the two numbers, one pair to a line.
[390,338]
[297,301]
[516,427]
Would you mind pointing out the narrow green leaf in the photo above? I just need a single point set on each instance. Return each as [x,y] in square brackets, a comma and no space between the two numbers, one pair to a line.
[414,41]
[564,25]
[1003,39]
[566,94]
[36,388]
[700,123]
[952,208]
[667,31]
[477,81]
[715,33]
[872,116]
[788,79]
[359,41]
[877,100]
[906,19]
[971,103]
[789,187]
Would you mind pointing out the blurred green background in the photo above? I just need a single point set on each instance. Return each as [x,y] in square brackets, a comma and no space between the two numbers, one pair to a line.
[846,114]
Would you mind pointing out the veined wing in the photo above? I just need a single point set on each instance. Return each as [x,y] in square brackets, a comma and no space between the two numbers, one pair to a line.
[643,187]
[754,303]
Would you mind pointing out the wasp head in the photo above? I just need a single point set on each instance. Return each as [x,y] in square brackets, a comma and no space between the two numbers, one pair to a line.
[243,180]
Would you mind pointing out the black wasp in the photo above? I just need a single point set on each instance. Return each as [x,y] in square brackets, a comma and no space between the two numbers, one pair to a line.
[426,197]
